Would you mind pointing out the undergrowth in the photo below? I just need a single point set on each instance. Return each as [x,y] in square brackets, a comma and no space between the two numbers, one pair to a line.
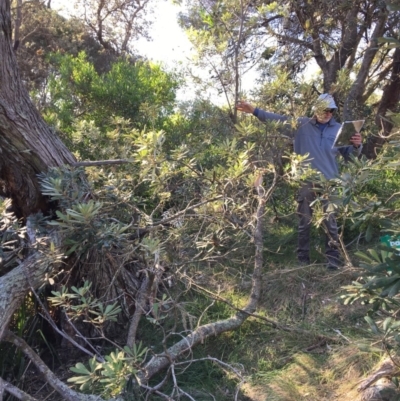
[317,358]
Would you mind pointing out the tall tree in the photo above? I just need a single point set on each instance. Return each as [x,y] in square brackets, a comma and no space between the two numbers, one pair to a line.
[342,37]
[29,147]
[117,23]
[40,31]
[222,32]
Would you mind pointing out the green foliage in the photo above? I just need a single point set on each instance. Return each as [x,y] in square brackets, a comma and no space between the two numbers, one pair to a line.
[127,91]
[12,234]
[81,303]
[109,377]
[185,204]
[81,221]
[374,206]
[197,124]
[44,31]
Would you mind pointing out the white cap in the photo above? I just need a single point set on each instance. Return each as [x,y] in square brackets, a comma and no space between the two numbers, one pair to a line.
[328,99]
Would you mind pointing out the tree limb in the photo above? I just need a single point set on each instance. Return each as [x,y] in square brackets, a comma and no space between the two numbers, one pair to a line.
[100,162]
[354,98]
[161,361]
[15,391]
[64,390]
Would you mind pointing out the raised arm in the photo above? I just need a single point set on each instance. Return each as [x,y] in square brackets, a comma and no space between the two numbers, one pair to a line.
[245,107]
[262,115]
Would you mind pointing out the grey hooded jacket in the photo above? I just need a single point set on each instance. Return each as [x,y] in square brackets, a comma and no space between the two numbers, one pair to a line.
[309,139]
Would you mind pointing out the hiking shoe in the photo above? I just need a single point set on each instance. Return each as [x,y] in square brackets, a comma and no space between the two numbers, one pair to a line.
[304,262]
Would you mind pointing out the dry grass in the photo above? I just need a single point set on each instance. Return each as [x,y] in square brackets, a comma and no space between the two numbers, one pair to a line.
[311,369]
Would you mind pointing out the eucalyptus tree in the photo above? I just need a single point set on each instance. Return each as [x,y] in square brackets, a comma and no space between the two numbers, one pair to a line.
[117,23]
[345,39]
[65,228]
[223,33]
[39,31]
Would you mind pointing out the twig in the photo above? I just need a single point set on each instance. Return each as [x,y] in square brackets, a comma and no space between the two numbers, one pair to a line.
[221,299]
[341,335]
[101,162]
[141,299]
[209,358]
[304,301]
[158,392]
[177,388]
[319,344]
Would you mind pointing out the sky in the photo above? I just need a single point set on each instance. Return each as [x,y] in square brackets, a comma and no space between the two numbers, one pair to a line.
[169,45]
[169,42]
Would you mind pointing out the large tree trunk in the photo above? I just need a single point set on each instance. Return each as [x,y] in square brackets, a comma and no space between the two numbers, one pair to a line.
[27,145]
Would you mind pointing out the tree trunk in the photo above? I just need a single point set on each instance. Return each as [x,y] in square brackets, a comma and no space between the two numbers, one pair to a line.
[352,108]
[15,285]
[389,101]
[27,145]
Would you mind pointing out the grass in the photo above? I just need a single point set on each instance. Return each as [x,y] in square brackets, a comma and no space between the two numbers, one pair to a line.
[323,363]
[280,365]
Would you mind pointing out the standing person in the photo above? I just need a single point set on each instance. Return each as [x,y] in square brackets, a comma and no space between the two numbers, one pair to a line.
[315,136]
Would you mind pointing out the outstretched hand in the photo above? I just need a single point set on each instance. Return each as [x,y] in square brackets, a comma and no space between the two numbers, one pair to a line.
[356,140]
[245,107]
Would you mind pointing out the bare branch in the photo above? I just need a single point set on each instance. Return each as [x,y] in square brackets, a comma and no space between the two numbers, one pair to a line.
[63,389]
[101,162]
[161,361]
[140,302]
[15,391]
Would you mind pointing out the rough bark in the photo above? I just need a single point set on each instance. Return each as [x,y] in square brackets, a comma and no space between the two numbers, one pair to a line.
[389,101]
[27,145]
[354,99]
[15,285]
[378,385]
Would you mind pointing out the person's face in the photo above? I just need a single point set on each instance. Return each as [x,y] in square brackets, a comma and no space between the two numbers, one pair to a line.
[324,115]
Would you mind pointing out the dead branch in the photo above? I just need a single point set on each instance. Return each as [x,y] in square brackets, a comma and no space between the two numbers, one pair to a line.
[387,369]
[140,303]
[161,361]
[15,391]
[101,162]
[15,285]
[63,389]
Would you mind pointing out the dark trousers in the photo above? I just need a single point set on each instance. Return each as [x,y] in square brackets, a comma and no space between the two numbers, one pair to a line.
[306,196]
